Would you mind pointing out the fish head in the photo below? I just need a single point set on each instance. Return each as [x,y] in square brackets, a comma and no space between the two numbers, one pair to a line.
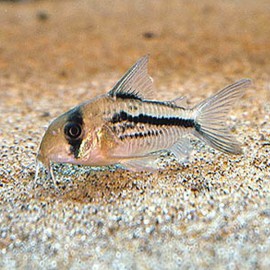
[62,140]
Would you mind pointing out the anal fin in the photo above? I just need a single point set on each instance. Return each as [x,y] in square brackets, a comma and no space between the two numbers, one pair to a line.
[181,149]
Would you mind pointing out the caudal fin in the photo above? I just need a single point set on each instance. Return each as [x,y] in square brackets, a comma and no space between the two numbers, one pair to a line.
[210,118]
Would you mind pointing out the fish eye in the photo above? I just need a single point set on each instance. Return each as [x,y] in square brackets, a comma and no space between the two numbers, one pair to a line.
[73,130]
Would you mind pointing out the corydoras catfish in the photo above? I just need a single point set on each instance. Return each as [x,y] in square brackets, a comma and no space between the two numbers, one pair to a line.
[126,126]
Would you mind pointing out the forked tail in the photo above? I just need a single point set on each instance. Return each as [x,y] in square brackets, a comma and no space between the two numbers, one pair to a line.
[210,122]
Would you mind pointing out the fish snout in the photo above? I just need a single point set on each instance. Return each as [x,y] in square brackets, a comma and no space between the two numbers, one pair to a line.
[42,158]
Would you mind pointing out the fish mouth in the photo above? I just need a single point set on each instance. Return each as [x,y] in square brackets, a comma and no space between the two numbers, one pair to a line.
[45,155]
[55,157]
[42,159]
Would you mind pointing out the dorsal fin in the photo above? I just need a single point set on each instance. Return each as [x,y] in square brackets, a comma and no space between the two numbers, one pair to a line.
[136,83]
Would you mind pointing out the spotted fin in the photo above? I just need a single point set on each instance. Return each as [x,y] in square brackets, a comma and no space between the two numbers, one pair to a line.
[136,83]
[147,163]
[181,149]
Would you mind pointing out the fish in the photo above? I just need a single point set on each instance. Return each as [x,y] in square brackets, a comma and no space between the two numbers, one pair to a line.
[129,127]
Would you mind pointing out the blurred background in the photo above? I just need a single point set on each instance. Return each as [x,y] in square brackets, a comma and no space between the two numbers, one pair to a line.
[73,40]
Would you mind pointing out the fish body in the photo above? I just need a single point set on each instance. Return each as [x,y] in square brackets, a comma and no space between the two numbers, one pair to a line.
[126,126]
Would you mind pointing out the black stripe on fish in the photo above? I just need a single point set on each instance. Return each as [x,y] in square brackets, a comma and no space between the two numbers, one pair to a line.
[141,134]
[153,120]
[74,117]
[128,95]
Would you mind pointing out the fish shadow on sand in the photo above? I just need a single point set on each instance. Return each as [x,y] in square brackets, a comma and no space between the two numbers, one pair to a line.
[106,184]
[87,184]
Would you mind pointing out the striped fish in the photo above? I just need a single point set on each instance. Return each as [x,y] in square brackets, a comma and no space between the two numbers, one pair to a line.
[126,126]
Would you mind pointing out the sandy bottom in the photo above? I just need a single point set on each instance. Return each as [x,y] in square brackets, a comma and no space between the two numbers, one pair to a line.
[211,213]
